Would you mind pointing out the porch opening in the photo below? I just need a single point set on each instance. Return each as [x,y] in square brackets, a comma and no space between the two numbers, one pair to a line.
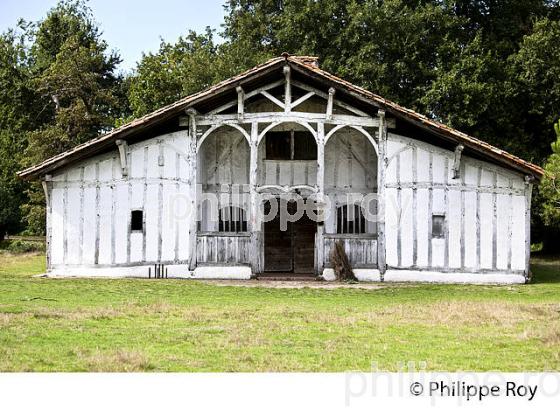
[291,250]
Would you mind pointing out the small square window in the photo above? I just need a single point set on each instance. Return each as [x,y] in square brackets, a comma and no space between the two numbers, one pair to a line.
[290,145]
[438,226]
[278,145]
[305,147]
[137,221]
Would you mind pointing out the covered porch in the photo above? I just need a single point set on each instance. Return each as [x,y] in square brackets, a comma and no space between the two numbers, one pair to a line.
[286,142]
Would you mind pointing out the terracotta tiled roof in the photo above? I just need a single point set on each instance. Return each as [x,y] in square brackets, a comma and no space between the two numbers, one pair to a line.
[307,65]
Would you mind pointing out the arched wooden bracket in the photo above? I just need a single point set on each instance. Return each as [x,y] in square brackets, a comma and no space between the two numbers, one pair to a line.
[123,151]
[457,161]
[286,188]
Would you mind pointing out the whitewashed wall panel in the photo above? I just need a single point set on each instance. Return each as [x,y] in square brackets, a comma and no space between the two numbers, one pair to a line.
[486,229]
[471,237]
[484,210]
[422,227]
[455,226]
[518,232]
[89,220]
[57,225]
[121,223]
[406,228]
[392,227]
[91,204]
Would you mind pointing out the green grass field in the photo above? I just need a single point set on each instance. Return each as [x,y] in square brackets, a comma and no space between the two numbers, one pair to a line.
[180,325]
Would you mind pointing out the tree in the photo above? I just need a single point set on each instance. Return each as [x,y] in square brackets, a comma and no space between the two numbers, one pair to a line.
[17,114]
[77,87]
[534,88]
[175,71]
[550,185]
[76,78]
[389,47]
[467,63]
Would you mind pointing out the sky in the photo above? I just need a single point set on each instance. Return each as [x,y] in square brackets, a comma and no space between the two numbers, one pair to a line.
[129,26]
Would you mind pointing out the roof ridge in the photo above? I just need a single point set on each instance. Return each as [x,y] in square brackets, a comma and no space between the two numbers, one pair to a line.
[310,64]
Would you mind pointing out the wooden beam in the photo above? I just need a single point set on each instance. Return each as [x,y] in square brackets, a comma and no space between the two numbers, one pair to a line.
[294,116]
[47,178]
[381,165]
[325,96]
[232,103]
[192,168]
[123,154]
[319,242]
[457,161]
[330,102]
[46,182]
[273,99]
[528,194]
[287,89]
[302,99]
[240,102]
[255,223]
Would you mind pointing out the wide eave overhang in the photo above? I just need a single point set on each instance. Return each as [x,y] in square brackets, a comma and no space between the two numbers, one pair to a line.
[305,66]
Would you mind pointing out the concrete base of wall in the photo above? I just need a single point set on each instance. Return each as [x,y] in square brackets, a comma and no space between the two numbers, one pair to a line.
[363,275]
[395,275]
[244,273]
[173,272]
[222,272]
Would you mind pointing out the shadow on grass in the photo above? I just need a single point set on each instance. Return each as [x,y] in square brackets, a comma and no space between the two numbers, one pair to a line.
[545,269]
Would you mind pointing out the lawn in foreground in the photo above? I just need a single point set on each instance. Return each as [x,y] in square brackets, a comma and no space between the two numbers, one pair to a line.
[181,325]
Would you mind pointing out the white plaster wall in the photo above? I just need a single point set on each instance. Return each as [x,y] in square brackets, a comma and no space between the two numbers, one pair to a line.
[484,211]
[91,203]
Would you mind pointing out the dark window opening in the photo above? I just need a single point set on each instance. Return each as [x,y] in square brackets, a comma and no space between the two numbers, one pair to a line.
[350,220]
[137,221]
[232,219]
[290,145]
[438,226]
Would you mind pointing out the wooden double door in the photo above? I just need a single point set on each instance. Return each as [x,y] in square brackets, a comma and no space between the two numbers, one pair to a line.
[291,250]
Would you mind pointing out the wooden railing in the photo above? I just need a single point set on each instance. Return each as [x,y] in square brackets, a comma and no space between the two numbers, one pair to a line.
[360,249]
[223,247]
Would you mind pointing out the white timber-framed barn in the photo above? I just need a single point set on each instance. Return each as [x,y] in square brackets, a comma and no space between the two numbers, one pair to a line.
[137,202]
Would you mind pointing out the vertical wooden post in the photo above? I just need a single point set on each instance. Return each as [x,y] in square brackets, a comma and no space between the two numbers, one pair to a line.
[381,164]
[255,221]
[330,103]
[192,169]
[457,161]
[287,89]
[528,195]
[240,102]
[47,188]
[319,240]
[123,154]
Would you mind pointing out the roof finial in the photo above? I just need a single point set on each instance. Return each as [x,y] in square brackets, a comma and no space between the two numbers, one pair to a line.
[285,55]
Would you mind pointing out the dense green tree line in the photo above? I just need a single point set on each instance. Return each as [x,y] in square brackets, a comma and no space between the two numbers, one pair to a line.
[490,68]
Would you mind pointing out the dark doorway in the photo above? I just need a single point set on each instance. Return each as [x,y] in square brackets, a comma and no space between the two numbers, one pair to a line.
[292,250]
